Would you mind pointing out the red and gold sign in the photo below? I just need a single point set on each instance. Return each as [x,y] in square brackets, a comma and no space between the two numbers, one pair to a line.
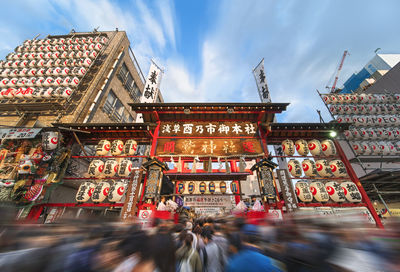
[210,147]
[208,129]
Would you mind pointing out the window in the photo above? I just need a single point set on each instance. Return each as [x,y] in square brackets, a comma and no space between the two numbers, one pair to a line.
[114,107]
[123,72]
[129,83]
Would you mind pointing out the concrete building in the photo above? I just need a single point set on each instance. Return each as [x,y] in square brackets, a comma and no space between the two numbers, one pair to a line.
[100,93]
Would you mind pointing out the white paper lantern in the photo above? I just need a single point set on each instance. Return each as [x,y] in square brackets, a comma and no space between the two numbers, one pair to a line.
[103,147]
[288,147]
[374,148]
[96,168]
[338,169]
[363,132]
[74,82]
[366,148]
[302,147]
[355,109]
[98,47]
[323,168]
[48,82]
[8,93]
[357,147]
[87,62]
[29,93]
[354,98]
[328,147]
[66,82]
[85,191]
[371,99]
[315,147]
[130,147]
[13,82]
[39,81]
[110,168]
[294,168]
[125,168]
[396,133]
[19,93]
[384,148]
[66,92]
[335,191]
[388,133]
[326,99]
[392,148]
[50,140]
[303,191]
[363,98]
[347,134]
[65,71]
[116,147]
[334,109]
[351,191]
[36,93]
[100,192]
[319,192]
[116,192]
[371,133]
[309,168]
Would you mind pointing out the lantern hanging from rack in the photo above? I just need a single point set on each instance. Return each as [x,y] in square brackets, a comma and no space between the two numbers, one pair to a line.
[335,191]
[338,169]
[125,168]
[234,187]
[328,148]
[116,192]
[323,168]
[351,191]
[110,168]
[302,147]
[116,147]
[315,147]
[103,147]
[202,187]
[50,140]
[303,191]
[309,168]
[100,192]
[211,187]
[294,168]
[222,187]
[96,168]
[130,147]
[191,187]
[319,192]
[288,147]
[180,187]
[84,192]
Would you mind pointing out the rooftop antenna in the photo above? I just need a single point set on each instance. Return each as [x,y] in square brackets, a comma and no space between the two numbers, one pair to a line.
[36,36]
[376,50]
[321,120]
[95,30]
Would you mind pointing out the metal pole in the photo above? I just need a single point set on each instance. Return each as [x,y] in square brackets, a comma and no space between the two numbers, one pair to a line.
[383,201]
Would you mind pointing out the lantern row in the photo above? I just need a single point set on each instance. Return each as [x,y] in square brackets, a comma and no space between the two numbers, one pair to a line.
[372,120]
[110,168]
[212,186]
[63,41]
[366,109]
[360,98]
[315,147]
[376,148]
[26,51]
[321,168]
[332,190]
[372,133]
[100,191]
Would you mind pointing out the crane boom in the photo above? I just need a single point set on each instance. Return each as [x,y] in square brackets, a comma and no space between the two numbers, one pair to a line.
[338,71]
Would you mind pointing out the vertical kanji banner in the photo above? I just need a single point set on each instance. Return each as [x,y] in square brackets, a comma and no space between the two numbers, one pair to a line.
[261,81]
[128,210]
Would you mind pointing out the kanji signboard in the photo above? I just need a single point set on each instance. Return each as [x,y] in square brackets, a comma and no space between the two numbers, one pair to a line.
[210,147]
[208,129]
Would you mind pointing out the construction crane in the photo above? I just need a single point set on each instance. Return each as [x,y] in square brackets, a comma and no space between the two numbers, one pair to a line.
[333,88]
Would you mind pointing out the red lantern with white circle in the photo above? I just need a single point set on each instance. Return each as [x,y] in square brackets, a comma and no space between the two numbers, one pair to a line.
[96,168]
[357,147]
[29,93]
[309,168]
[384,148]
[48,82]
[4,82]
[355,109]
[334,109]
[396,133]
[116,192]
[66,82]
[56,71]
[366,148]
[110,168]
[74,82]
[13,82]
[50,140]
[85,191]
[351,192]
[315,147]
[338,169]
[319,192]
[328,147]
[49,72]
[56,55]
[375,148]
[363,133]
[116,147]
[81,71]
[22,82]
[294,168]
[77,47]
[87,62]
[356,134]
[19,93]
[371,133]
[302,147]
[323,168]
[392,148]
[125,168]
[103,147]
[58,82]
[103,40]
[288,147]
[348,109]
[347,134]
[39,81]
[31,82]
[15,64]
[14,73]
[335,191]
[326,99]
[100,192]
[303,191]
[130,147]
[92,54]
[47,93]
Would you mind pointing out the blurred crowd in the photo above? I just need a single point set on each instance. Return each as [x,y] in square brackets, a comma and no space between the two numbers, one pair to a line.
[204,244]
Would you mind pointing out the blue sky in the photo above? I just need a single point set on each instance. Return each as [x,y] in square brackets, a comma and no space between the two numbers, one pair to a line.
[209,48]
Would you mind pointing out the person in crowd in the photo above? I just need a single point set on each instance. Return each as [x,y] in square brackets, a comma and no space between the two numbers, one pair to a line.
[187,257]
[249,257]
[211,254]
[188,228]
[163,251]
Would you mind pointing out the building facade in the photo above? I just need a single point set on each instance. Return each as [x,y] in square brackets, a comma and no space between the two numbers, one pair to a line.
[86,77]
